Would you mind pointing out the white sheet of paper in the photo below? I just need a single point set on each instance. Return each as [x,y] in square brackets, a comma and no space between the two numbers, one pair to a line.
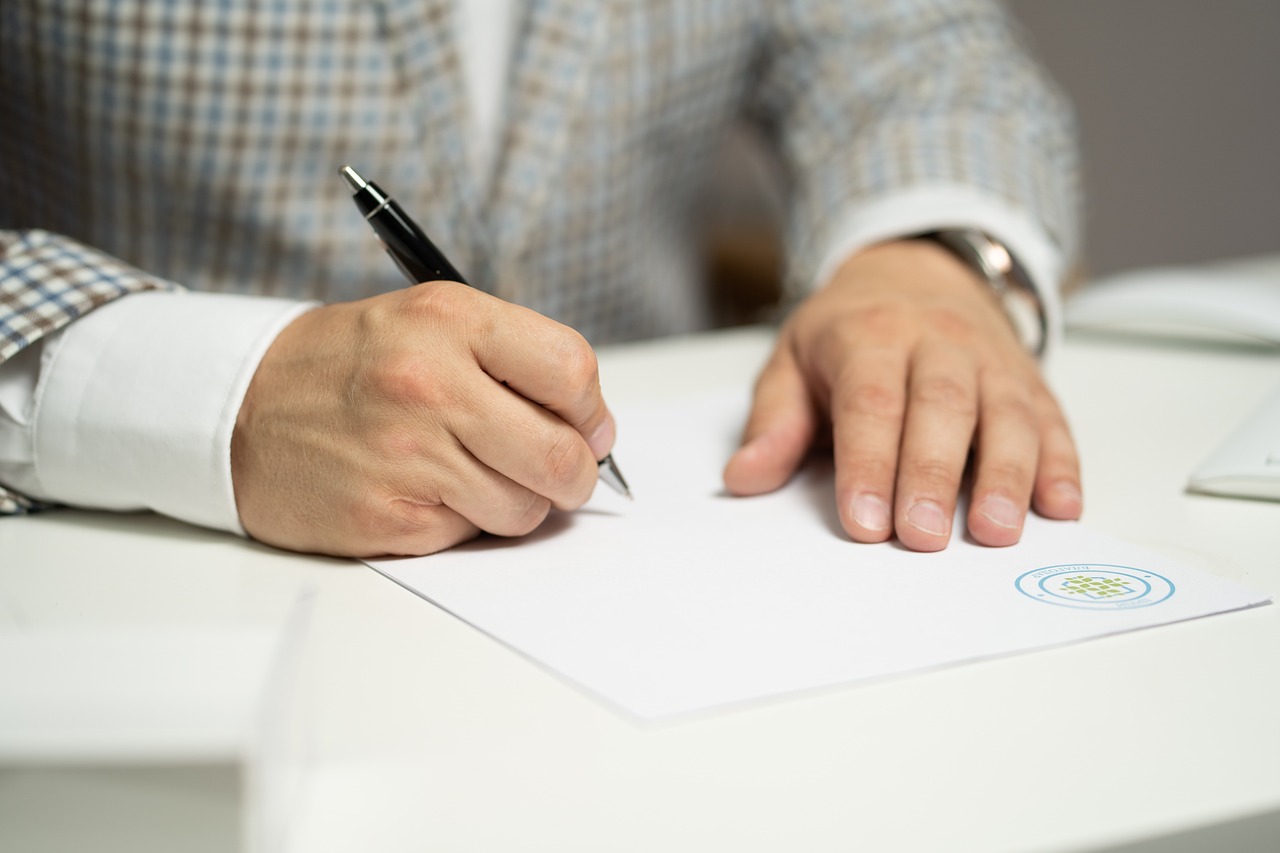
[688,599]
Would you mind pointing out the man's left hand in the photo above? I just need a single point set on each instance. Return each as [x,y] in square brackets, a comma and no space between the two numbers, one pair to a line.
[908,358]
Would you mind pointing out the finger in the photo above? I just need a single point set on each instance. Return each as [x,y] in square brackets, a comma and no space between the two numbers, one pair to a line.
[1008,448]
[779,429]
[525,443]
[401,527]
[551,365]
[488,499]
[867,404]
[941,413]
[1057,491]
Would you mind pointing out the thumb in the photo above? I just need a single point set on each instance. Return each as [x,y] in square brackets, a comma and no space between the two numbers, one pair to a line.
[779,430]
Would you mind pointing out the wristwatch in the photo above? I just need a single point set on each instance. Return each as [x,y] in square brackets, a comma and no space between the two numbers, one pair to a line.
[992,261]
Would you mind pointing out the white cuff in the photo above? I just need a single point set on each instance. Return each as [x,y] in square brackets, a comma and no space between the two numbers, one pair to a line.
[938,206]
[137,402]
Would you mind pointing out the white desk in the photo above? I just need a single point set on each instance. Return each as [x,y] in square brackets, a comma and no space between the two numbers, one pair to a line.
[428,735]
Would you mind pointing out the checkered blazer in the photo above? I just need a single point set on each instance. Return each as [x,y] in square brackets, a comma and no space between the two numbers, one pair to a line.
[155,143]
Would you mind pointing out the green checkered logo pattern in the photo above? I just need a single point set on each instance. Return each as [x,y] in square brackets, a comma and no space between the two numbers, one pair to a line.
[1095,587]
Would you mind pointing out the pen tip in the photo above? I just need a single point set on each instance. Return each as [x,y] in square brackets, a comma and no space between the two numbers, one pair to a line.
[613,477]
[352,177]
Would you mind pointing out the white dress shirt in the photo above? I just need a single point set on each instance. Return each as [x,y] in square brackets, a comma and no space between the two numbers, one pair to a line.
[69,424]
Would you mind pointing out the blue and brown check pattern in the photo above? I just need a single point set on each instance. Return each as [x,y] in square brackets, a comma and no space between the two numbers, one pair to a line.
[48,282]
[198,143]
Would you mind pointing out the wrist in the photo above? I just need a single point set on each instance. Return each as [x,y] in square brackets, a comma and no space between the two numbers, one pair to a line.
[913,267]
[999,269]
[138,404]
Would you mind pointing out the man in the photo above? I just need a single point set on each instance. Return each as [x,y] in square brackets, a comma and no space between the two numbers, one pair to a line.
[197,146]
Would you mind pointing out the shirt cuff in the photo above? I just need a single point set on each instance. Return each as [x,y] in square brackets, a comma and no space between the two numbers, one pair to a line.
[137,401]
[939,206]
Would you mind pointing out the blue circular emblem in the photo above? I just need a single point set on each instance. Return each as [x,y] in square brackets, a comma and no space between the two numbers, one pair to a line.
[1095,586]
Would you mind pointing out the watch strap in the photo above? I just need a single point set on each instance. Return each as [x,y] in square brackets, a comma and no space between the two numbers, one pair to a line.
[1008,280]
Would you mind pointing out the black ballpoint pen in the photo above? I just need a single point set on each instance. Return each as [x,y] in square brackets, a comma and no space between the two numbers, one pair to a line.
[420,260]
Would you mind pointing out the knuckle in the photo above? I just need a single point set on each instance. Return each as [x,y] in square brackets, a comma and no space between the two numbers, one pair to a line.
[576,363]
[396,378]
[1060,464]
[582,359]
[406,517]
[836,339]
[438,302]
[866,472]
[1007,471]
[364,517]
[880,321]
[1056,440]
[371,524]
[528,516]
[950,324]
[1053,425]
[407,380]
[946,392]
[414,527]
[937,475]
[855,485]
[1010,408]
[381,522]
[563,463]
[876,400]
[383,516]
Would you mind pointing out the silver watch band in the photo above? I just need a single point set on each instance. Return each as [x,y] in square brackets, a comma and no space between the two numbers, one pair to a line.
[1013,288]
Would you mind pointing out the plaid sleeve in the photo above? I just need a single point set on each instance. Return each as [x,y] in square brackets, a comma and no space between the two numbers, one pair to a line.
[46,281]
[868,100]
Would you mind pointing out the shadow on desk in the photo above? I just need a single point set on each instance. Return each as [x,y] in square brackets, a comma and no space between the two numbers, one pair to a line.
[190,808]
[1253,834]
[95,533]
[156,527]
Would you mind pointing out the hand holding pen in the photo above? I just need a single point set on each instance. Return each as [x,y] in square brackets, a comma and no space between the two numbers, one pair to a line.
[420,260]
[408,422]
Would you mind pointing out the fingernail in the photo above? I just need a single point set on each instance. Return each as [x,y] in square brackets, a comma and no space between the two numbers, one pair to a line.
[1001,511]
[1065,490]
[747,447]
[870,512]
[1064,500]
[928,517]
[601,441]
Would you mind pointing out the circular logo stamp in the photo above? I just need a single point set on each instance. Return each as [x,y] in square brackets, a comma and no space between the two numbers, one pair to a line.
[1095,586]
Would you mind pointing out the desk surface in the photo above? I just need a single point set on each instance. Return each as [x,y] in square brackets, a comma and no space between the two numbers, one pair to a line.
[426,733]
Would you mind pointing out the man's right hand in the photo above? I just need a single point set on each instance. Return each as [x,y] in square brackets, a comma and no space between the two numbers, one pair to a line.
[408,422]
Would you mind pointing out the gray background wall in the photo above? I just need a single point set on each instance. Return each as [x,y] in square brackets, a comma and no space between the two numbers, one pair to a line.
[1179,107]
